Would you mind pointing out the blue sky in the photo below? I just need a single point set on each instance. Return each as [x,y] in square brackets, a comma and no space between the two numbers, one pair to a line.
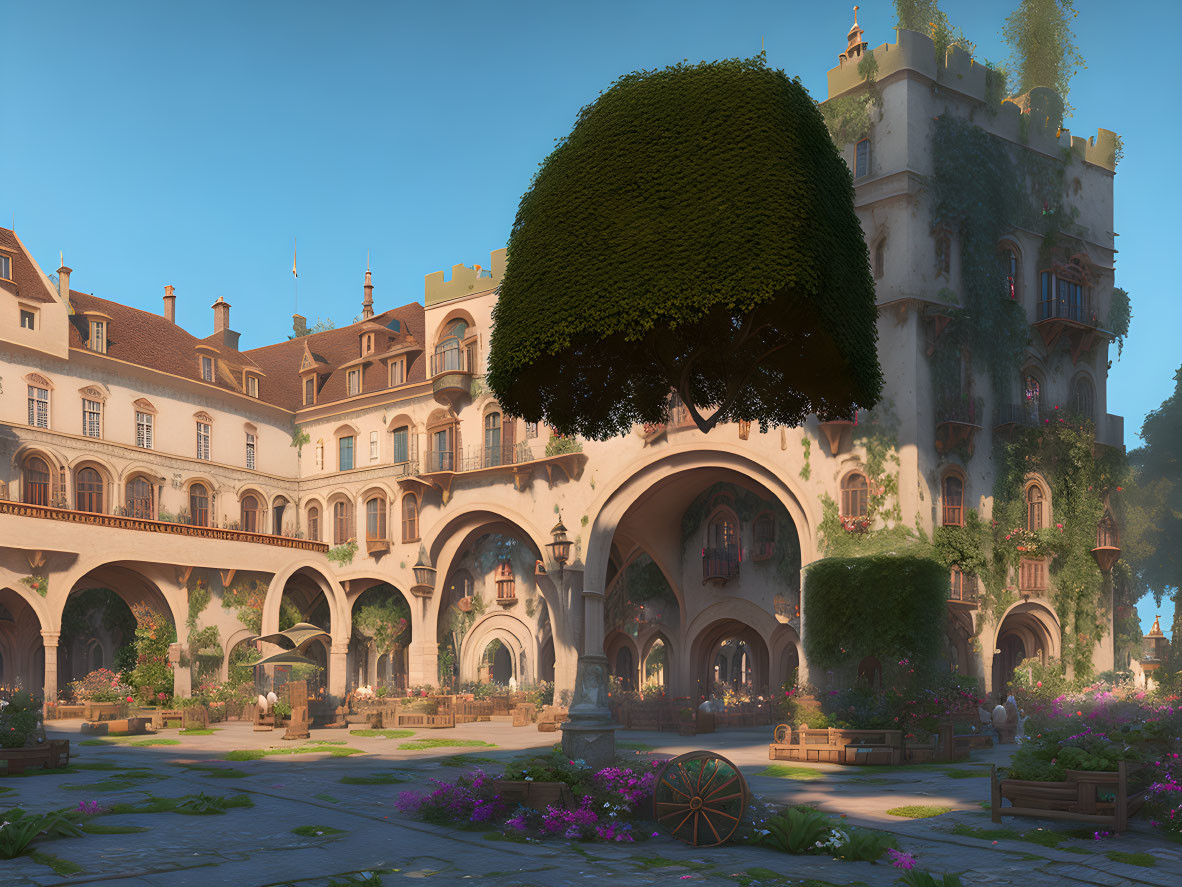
[188,144]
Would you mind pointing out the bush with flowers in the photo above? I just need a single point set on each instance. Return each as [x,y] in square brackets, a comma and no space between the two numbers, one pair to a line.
[20,720]
[609,800]
[154,634]
[1163,803]
[101,685]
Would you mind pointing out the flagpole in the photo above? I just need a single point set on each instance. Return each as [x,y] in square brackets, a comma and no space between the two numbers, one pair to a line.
[295,276]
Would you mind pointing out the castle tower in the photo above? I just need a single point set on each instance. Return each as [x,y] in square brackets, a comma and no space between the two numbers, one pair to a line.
[367,303]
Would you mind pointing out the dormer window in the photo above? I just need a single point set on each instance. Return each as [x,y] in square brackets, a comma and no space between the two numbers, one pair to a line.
[309,391]
[5,267]
[353,383]
[98,336]
[367,344]
[397,372]
[252,385]
[206,368]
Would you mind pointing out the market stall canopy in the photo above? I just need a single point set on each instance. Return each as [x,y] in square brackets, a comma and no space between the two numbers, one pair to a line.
[295,637]
[286,657]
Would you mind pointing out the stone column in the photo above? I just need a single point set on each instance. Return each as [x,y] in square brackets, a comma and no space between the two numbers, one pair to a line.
[337,665]
[49,640]
[590,734]
[182,675]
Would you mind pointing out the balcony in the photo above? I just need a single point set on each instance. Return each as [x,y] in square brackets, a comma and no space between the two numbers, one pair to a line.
[720,565]
[440,469]
[122,522]
[957,424]
[451,375]
[1070,319]
[1032,576]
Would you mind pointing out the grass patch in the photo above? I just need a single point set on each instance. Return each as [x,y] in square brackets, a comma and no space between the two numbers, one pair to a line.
[382,734]
[1042,837]
[918,811]
[215,772]
[964,774]
[139,743]
[197,731]
[316,831]
[60,866]
[635,746]
[420,744]
[787,771]
[98,828]
[1145,860]
[373,779]
[199,804]
[255,754]
[324,796]
[119,783]
[466,761]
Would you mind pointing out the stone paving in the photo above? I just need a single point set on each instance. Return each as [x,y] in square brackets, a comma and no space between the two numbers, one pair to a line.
[256,846]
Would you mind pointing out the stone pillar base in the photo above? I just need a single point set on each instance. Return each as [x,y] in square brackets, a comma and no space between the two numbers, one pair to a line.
[590,733]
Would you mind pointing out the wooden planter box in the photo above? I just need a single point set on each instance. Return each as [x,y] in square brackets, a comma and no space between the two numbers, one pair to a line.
[424,721]
[834,746]
[122,726]
[1076,799]
[47,756]
[524,714]
[64,712]
[535,795]
[104,711]
[162,716]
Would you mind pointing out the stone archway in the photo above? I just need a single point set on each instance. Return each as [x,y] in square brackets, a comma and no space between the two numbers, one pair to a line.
[22,657]
[1027,631]
[730,654]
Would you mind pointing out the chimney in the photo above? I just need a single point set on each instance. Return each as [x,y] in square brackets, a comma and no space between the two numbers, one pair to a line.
[299,324]
[63,282]
[221,315]
[367,303]
[169,304]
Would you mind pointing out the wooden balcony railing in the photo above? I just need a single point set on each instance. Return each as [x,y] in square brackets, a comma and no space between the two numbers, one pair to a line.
[121,522]
[719,564]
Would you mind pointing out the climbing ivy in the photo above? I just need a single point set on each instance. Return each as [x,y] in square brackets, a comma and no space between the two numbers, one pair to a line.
[850,118]
[1120,315]
[1081,477]
[806,469]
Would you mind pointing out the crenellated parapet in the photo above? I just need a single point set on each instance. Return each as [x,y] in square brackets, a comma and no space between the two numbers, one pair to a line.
[916,52]
[464,280]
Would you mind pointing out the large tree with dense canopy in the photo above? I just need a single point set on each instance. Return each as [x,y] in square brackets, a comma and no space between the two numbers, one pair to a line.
[695,232]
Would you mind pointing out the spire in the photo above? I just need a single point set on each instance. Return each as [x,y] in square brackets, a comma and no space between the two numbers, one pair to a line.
[855,45]
[367,303]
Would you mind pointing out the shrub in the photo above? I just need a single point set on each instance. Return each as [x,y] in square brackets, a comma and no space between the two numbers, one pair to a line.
[20,718]
[101,685]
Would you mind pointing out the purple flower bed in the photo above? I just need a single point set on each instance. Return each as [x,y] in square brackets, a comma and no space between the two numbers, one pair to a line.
[1164,800]
[609,801]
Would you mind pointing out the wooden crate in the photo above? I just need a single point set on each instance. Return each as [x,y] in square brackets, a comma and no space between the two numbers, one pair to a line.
[47,756]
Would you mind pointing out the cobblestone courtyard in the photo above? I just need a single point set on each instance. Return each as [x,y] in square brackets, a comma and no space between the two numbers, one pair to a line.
[351,801]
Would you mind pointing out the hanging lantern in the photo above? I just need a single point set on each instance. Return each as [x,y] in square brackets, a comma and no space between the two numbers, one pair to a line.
[560,547]
[424,575]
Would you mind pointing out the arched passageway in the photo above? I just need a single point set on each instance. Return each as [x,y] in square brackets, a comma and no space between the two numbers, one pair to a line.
[22,656]
[380,639]
[1028,631]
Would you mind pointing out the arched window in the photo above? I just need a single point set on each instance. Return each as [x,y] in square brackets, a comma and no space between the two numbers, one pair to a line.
[341,522]
[375,518]
[199,505]
[278,507]
[722,536]
[1083,398]
[1106,535]
[953,496]
[35,483]
[492,440]
[1009,269]
[314,523]
[410,518]
[855,495]
[449,356]
[1034,514]
[89,491]
[140,501]
[250,514]
[1031,394]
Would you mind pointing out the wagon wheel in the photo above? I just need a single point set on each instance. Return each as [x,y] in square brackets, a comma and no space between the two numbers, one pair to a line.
[781,734]
[700,798]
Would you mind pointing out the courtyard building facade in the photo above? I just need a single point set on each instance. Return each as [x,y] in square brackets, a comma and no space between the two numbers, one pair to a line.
[304,479]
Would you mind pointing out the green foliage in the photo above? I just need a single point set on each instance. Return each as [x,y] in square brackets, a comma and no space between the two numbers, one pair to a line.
[926,17]
[384,617]
[1081,477]
[916,878]
[890,607]
[561,444]
[322,324]
[20,720]
[1044,51]
[723,295]
[154,634]
[796,830]
[39,584]
[806,469]
[850,118]
[86,610]
[19,830]
[198,594]
[342,554]
[300,438]
[1120,315]
[918,811]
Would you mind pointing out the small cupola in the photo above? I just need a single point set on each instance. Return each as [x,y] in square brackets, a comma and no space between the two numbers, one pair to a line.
[855,45]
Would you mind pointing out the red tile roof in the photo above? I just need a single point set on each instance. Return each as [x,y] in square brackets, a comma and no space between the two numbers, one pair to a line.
[30,286]
[281,361]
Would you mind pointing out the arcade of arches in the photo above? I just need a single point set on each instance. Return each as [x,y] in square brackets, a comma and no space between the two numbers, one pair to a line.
[700,566]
